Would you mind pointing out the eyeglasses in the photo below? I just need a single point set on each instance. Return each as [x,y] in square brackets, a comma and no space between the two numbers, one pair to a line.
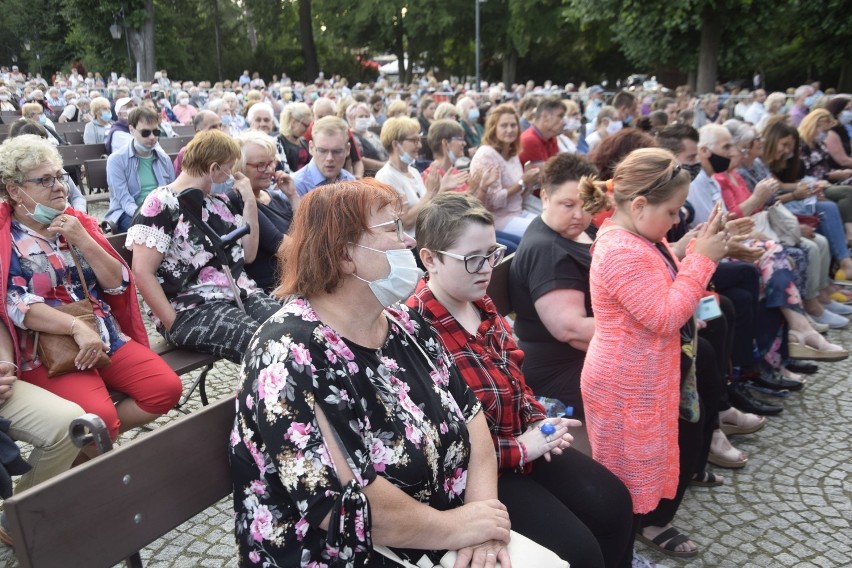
[47,182]
[261,166]
[336,152]
[400,233]
[145,133]
[415,139]
[473,263]
[457,138]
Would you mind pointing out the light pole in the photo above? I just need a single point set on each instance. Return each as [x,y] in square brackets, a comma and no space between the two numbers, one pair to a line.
[477,3]
[115,31]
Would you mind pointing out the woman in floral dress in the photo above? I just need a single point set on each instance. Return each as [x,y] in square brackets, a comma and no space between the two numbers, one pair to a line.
[353,426]
[186,288]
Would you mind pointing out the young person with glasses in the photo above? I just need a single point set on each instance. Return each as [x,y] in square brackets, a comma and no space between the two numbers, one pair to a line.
[137,169]
[566,501]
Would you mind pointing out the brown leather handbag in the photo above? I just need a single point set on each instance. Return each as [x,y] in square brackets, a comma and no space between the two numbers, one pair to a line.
[58,351]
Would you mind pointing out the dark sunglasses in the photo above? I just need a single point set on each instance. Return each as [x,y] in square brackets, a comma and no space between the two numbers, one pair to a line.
[145,133]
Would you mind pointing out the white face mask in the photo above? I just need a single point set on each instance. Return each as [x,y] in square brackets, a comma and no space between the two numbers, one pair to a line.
[362,124]
[183,101]
[570,124]
[613,127]
[402,279]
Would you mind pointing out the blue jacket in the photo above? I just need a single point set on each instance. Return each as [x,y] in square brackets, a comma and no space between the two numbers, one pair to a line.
[123,179]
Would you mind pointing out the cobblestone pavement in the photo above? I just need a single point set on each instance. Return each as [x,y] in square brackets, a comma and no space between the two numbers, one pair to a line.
[789,507]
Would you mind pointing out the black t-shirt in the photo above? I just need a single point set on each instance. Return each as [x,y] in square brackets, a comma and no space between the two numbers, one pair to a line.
[546,261]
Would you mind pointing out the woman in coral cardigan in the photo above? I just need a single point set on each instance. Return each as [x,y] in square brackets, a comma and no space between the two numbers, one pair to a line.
[644,301]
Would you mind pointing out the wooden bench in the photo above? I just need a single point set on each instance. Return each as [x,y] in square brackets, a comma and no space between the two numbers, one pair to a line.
[181,361]
[74,137]
[104,511]
[184,130]
[173,145]
[75,155]
[63,127]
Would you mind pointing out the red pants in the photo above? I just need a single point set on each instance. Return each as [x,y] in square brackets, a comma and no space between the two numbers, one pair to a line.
[135,371]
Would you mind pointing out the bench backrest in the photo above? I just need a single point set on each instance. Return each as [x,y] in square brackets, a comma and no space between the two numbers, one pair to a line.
[75,155]
[498,288]
[173,145]
[105,510]
[96,174]
[63,127]
[74,137]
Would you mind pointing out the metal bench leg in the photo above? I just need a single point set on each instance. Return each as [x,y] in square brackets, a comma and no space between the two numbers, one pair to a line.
[202,381]
[88,429]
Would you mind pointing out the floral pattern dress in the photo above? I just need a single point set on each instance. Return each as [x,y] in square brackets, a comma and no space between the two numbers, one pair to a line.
[393,414]
[190,273]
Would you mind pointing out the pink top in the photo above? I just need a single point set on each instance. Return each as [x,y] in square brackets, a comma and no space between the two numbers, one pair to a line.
[496,200]
[631,377]
[734,193]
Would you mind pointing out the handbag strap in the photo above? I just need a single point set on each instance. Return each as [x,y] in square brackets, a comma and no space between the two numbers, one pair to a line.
[79,271]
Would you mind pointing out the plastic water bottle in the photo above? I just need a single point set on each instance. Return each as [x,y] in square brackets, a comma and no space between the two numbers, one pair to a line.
[555,408]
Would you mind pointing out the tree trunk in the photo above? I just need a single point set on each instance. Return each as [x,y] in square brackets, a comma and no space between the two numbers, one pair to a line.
[708,54]
[399,48]
[251,30]
[510,66]
[220,69]
[844,82]
[309,46]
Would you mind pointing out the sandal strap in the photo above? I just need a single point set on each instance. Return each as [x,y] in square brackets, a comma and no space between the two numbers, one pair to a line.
[674,537]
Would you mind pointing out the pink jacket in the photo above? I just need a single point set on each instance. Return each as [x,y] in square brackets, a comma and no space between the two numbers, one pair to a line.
[631,377]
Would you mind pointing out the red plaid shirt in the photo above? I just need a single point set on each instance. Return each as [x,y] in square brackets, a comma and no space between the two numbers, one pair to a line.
[490,363]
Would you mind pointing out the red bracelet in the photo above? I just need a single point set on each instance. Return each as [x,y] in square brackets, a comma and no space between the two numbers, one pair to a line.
[523,453]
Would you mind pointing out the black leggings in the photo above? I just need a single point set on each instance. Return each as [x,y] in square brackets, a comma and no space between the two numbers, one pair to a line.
[573,506]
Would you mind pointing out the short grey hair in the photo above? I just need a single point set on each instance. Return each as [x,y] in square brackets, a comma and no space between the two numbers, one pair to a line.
[741,133]
[257,138]
[260,107]
[23,154]
[708,135]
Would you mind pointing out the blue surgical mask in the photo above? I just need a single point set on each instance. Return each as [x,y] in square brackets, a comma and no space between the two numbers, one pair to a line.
[473,114]
[845,117]
[223,187]
[628,121]
[400,281]
[42,214]
[452,156]
[819,138]
[406,159]
[141,148]
[106,116]
[226,119]
[42,119]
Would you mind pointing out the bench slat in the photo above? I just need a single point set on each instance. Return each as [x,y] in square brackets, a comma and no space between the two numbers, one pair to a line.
[103,511]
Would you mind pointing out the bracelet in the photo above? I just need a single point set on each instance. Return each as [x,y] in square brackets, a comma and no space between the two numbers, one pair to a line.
[523,453]
[73,323]
[9,363]
[522,184]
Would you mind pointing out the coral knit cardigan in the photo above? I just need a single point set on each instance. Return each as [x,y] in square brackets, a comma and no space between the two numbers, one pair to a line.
[631,377]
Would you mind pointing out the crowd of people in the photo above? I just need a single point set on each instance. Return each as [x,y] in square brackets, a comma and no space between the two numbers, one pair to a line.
[677,263]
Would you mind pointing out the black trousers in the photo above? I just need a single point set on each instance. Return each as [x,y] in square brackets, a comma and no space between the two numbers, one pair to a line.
[573,506]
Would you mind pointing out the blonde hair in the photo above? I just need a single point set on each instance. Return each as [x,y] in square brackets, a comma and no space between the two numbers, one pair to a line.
[607,112]
[809,124]
[397,109]
[395,129]
[331,125]
[23,154]
[27,108]
[208,148]
[294,111]
[446,110]
[98,105]
[652,173]
[257,138]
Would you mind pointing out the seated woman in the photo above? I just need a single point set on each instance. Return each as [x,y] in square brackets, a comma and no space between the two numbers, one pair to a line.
[588,510]
[370,147]
[295,120]
[276,197]
[505,196]
[36,113]
[567,141]
[837,141]
[47,246]
[391,422]
[95,131]
[816,164]
[189,293]
[469,117]
[401,139]
[783,162]
[606,124]
[137,169]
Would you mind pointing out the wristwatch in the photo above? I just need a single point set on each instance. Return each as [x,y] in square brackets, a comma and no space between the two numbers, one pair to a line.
[522,184]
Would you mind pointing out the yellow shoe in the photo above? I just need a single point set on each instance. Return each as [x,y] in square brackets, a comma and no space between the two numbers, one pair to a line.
[840,297]
[840,278]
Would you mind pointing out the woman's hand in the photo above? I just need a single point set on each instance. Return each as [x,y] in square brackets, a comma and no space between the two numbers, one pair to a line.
[70,228]
[90,344]
[540,445]
[765,189]
[8,376]
[285,183]
[711,240]
[242,185]
[478,522]
[452,180]
[807,231]
[433,182]
[485,555]
[531,177]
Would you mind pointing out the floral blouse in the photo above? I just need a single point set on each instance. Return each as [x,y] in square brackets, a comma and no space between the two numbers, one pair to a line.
[43,270]
[190,273]
[393,415]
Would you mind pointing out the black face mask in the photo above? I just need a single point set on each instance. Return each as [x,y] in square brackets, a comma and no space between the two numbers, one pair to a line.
[693,169]
[719,163]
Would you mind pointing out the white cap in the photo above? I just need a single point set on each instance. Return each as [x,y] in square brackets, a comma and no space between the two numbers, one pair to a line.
[121,103]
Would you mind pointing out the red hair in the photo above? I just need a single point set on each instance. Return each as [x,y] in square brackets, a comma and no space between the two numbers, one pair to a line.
[327,220]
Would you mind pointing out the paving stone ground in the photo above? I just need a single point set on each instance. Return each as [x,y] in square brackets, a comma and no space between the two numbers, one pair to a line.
[790,506]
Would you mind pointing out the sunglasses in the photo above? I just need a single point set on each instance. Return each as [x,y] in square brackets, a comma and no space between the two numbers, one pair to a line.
[145,133]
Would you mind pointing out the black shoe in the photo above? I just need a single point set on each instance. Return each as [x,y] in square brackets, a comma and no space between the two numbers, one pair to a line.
[802,367]
[771,380]
[740,397]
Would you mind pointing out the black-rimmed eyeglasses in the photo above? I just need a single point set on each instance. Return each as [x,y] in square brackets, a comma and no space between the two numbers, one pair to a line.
[473,263]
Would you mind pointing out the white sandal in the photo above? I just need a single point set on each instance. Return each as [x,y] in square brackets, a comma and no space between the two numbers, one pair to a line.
[811,345]
[734,421]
